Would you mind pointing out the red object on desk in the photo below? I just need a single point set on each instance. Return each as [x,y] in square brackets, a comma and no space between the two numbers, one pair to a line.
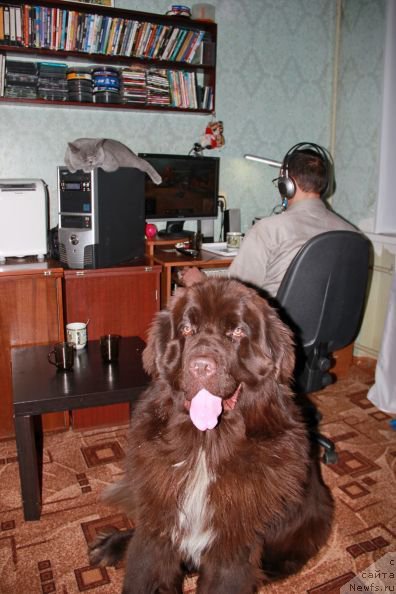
[150,230]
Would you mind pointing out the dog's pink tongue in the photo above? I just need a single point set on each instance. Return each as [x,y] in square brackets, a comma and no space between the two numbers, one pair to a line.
[205,409]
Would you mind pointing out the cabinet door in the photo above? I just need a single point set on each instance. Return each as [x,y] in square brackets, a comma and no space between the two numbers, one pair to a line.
[115,301]
[30,313]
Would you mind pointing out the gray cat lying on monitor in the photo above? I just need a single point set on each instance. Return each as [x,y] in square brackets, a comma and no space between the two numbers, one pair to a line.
[89,153]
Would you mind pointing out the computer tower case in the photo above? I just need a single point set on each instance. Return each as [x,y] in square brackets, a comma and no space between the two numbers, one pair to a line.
[101,217]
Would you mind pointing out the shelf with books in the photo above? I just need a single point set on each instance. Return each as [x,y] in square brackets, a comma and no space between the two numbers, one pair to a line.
[176,53]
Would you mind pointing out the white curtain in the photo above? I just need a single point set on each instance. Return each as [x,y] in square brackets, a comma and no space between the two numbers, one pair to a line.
[383,393]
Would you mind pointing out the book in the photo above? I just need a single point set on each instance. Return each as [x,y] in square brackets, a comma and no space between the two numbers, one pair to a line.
[143,39]
[111,36]
[63,29]
[1,23]
[163,40]
[136,41]
[106,35]
[31,26]
[194,47]
[98,21]
[12,24]
[2,74]
[102,35]
[154,41]
[18,24]
[132,35]
[6,16]
[117,31]
[121,36]
[170,44]
[179,41]
[150,41]
[185,45]
[90,33]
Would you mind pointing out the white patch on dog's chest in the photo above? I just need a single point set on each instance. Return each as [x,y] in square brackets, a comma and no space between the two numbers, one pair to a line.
[193,532]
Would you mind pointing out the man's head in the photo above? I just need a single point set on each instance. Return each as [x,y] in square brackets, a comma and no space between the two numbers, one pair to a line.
[304,172]
[308,169]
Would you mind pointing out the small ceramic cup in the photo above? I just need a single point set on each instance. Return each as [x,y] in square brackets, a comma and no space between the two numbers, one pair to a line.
[76,333]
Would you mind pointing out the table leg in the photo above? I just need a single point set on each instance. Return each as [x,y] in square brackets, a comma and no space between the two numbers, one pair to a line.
[28,466]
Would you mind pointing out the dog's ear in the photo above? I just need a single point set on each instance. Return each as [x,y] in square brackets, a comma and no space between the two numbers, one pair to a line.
[161,357]
[275,339]
[159,335]
[162,353]
[280,341]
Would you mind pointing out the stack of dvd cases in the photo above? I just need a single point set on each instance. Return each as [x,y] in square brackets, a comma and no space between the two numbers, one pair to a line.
[158,91]
[21,79]
[134,87]
[106,85]
[79,85]
[52,84]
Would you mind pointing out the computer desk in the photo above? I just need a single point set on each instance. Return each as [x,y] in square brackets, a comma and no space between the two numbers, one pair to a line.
[170,259]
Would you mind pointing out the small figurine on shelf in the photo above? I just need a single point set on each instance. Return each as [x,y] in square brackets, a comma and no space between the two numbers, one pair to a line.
[212,139]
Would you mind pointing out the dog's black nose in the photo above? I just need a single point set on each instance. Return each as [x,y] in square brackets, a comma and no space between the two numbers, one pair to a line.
[203,366]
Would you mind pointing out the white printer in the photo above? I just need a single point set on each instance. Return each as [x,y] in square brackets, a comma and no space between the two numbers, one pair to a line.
[23,218]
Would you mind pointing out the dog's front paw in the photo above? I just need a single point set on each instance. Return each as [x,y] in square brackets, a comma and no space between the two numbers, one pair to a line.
[109,547]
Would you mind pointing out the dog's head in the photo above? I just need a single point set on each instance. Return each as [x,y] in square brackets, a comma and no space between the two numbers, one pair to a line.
[216,335]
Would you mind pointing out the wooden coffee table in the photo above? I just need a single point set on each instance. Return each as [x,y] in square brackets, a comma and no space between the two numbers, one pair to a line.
[39,387]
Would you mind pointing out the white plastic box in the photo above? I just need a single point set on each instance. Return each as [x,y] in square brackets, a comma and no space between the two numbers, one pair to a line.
[23,218]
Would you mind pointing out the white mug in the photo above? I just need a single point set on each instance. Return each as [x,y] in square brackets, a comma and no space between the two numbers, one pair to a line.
[76,333]
[234,240]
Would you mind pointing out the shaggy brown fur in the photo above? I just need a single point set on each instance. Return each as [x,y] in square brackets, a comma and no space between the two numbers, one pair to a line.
[242,503]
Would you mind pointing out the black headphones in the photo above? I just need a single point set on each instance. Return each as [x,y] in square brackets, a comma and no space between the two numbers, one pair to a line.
[286,185]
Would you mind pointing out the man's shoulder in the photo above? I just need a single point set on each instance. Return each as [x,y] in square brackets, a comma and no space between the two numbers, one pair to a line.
[270,222]
[338,222]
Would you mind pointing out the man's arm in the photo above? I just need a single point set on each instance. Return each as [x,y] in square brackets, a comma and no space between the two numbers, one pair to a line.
[190,275]
[250,264]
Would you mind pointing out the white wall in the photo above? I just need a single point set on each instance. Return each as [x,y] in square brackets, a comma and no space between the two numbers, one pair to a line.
[274,83]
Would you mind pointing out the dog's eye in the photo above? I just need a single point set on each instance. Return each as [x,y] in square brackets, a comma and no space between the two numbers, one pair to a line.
[237,333]
[187,330]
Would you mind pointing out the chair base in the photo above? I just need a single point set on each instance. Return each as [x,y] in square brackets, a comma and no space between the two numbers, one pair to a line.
[312,418]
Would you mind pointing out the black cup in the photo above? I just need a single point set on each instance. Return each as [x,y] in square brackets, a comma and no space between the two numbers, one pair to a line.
[196,241]
[109,346]
[62,355]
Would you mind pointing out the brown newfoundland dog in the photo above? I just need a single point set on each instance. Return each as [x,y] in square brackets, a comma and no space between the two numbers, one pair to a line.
[219,477]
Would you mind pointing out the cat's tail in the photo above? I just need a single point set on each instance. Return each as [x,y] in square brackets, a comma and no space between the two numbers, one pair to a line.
[155,176]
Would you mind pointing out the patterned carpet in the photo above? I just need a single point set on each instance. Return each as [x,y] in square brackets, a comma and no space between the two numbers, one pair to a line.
[50,555]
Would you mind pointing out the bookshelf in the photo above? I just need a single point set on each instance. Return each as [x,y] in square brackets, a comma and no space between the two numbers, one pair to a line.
[86,55]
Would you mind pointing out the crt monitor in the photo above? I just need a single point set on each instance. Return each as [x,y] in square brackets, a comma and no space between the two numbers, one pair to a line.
[189,191]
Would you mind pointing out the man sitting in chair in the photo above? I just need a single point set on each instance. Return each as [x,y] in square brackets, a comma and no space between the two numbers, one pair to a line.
[271,244]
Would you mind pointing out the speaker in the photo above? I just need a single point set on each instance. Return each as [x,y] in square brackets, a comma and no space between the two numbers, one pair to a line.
[286,185]
[232,221]
[206,227]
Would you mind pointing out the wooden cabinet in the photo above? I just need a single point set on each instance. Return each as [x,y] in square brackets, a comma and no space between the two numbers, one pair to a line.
[31,313]
[120,300]
[172,58]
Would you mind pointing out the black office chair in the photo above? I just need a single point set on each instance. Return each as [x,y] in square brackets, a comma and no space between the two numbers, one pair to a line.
[322,297]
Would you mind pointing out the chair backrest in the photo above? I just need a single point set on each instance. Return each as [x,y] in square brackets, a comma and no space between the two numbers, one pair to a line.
[324,290]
